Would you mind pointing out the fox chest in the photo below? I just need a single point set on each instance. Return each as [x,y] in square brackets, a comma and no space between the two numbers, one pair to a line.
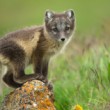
[52,50]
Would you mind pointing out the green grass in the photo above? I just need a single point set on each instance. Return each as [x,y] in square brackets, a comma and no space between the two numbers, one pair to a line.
[78,78]
[87,85]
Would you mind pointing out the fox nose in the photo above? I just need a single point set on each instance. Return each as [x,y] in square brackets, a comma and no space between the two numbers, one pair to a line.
[62,39]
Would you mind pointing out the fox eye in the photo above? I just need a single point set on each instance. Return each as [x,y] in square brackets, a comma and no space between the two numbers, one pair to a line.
[67,28]
[55,29]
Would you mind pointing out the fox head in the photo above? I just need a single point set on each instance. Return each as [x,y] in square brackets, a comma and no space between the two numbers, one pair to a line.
[60,26]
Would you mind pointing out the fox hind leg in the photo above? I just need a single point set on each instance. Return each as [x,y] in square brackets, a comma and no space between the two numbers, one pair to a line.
[8,79]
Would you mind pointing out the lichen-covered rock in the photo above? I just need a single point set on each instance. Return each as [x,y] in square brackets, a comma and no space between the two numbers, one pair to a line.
[33,95]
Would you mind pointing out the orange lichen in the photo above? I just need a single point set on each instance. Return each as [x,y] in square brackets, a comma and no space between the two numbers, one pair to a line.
[24,106]
[32,95]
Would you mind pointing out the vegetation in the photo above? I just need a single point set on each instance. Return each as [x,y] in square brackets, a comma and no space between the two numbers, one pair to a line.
[81,75]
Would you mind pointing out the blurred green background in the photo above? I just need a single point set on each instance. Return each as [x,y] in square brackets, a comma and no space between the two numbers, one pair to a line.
[81,75]
[20,13]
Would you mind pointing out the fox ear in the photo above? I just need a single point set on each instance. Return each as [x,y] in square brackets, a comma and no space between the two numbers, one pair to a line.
[49,15]
[70,14]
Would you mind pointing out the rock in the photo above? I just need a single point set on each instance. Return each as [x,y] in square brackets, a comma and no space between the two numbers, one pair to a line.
[33,95]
